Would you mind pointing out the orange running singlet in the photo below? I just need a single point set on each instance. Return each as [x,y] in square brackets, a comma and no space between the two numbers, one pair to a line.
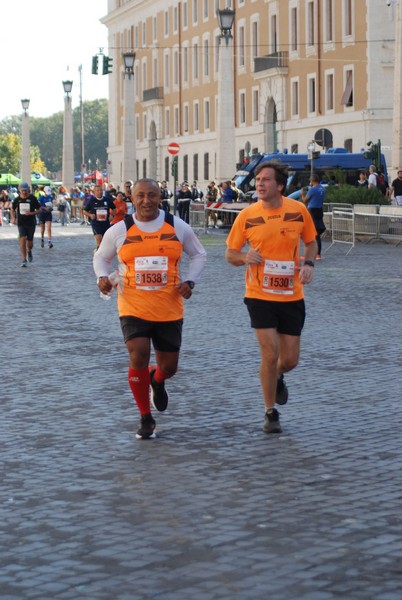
[149,263]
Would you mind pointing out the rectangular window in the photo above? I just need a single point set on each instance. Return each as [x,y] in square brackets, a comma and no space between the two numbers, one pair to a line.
[196,116]
[195,167]
[175,67]
[206,58]
[242,108]
[274,34]
[206,166]
[185,64]
[185,167]
[216,53]
[175,19]
[329,92]
[206,9]
[242,46]
[144,34]
[167,122]
[311,95]
[155,73]
[195,61]
[144,168]
[195,12]
[329,21]
[176,121]
[310,24]
[145,126]
[255,105]
[254,40]
[206,114]
[136,43]
[154,29]
[144,75]
[347,97]
[186,119]
[166,71]
[294,98]
[137,128]
[348,17]
[293,30]
[185,14]
[166,22]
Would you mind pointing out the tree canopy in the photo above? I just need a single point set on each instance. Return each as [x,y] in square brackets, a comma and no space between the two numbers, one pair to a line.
[46,138]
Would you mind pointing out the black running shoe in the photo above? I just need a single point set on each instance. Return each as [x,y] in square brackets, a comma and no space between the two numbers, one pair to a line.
[50,245]
[42,243]
[282,393]
[159,396]
[271,422]
[146,429]
[30,257]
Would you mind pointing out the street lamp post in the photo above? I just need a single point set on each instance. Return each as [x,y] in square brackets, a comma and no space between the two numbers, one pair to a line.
[225,128]
[129,167]
[26,152]
[68,147]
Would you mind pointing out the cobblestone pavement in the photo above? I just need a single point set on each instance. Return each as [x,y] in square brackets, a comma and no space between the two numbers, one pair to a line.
[213,508]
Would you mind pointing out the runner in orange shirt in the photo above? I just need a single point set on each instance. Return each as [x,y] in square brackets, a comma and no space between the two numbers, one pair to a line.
[273,228]
[149,245]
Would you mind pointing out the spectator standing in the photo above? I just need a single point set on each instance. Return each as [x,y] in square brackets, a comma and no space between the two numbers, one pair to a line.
[183,202]
[396,188]
[63,205]
[166,194]
[372,180]
[24,209]
[362,181]
[196,192]
[315,198]
[211,197]
[150,293]
[46,216]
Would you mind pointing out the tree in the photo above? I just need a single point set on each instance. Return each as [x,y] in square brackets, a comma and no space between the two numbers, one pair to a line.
[95,133]
[10,153]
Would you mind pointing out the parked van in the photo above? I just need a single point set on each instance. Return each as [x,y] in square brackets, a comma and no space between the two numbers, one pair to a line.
[334,166]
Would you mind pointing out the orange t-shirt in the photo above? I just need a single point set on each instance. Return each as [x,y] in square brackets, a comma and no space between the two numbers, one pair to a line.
[148,290]
[276,235]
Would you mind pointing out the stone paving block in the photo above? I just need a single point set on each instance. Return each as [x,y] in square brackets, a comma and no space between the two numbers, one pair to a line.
[202,510]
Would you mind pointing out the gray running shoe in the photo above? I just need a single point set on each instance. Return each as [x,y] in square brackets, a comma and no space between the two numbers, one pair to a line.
[30,257]
[24,263]
[271,422]
[282,393]
[146,429]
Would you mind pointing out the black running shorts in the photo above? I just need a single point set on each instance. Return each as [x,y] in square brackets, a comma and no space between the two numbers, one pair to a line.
[285,317]
[165,335]
[27,231]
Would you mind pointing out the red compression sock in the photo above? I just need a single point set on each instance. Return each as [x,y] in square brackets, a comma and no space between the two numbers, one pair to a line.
[160,376]
[138,380]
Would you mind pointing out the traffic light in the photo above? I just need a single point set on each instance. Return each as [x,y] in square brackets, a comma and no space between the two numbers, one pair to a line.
[175,167]
[95,65]
[107,65]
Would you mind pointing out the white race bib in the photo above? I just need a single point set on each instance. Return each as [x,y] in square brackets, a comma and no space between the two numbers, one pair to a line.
[278,277]
[101,214]
[151,272]
[24,208]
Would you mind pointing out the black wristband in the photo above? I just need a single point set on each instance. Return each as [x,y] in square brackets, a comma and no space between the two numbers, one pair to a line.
[309,263]
[190,284]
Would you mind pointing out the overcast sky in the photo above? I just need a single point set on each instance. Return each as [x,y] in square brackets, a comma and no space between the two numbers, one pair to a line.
[39,40]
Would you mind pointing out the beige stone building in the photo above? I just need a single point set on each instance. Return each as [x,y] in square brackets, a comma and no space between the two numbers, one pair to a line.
[301,68]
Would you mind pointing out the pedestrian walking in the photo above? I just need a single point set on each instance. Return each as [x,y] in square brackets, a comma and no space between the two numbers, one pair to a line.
[149,245]
[273,227]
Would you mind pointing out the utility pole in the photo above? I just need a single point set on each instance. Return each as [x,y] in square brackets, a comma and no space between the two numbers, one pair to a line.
[395,6]
[82,128]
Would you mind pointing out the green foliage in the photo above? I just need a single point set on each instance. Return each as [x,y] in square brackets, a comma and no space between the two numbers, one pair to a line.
[46,137]
[350,194]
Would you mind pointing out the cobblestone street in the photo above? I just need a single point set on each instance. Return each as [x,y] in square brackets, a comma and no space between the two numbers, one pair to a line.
[213,508]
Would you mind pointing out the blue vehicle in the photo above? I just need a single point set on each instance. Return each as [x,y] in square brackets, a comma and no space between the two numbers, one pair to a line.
[334,166]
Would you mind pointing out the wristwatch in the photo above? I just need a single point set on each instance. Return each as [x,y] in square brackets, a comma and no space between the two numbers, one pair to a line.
[309,263]
[190,284]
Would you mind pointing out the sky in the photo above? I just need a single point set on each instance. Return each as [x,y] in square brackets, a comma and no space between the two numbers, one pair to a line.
[42,44]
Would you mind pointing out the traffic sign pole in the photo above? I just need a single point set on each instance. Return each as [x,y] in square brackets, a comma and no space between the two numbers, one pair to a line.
[174,149]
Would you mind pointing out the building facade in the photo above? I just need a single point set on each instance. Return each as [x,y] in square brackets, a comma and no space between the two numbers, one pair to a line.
[302,70]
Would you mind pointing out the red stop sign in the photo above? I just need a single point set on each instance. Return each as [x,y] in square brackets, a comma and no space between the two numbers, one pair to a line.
[173,148]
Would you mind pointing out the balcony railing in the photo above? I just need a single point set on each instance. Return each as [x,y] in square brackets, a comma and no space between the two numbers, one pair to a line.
[275,60]
[155,93]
